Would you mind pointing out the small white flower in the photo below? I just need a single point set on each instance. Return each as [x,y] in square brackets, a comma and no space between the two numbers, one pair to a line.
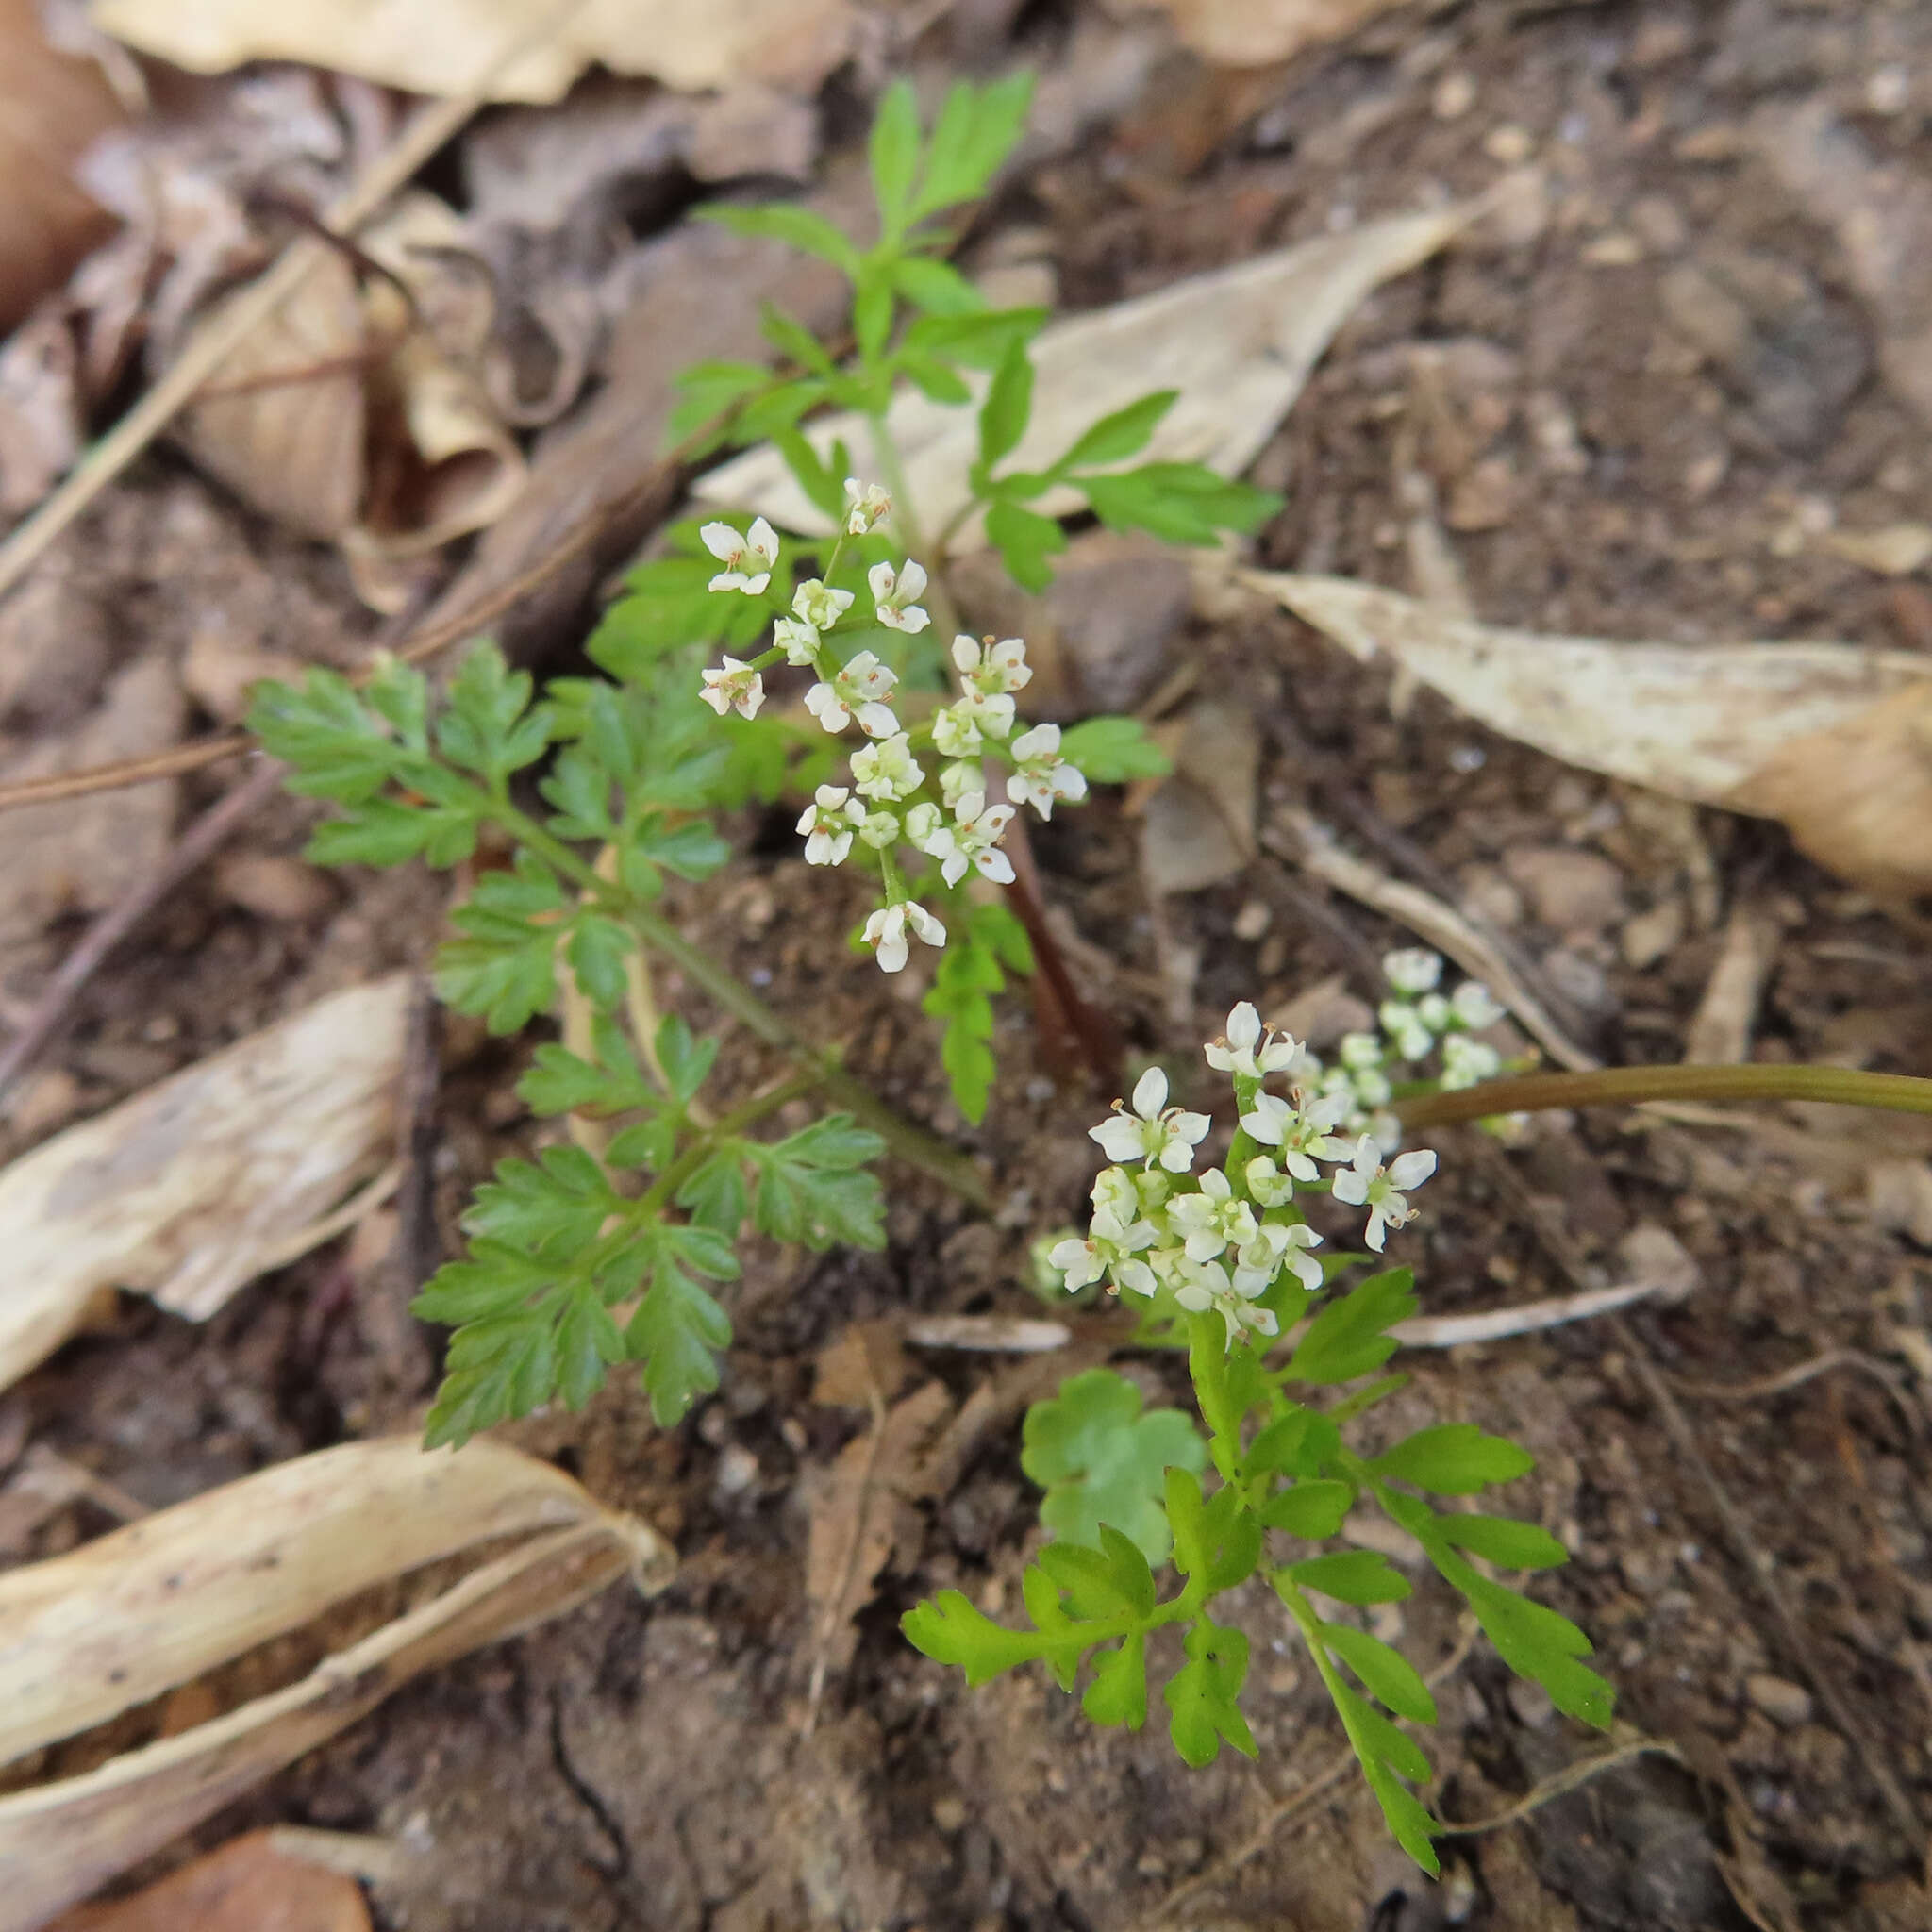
[1211,1219]
[1380,1190]
[1359,1050]
[817,603]
[885,932]
[957,780]
[1434,1011]
[1302,1129]
[1203,1285]
[1475,1005]
[1246,1051]
[994,669]
[1405,1026]
[1116,1237]
[1371,1086]
[1042,776]
[858,691]
[972,840]
[956,733]
[992,713]
[798,641]
[893,594]
[867,505]
[1413,969]
[827,824]
[1149,1133]
[886,769]
[1465,1061]
[880,829]
[1385,1130]
[747,561]
[1274,1245]
[1269,1186]
[736,686]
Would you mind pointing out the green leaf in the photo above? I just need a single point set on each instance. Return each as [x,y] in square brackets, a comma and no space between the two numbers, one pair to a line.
[1112,750]
[1502,1541]
[1102,1462]
[1025,541]
[985,940]
[825,490]
[936,287]
[1201,1697]
[934,379]
[1118,1694]
[1386,1673]
[504,966]
[1454,1459]
[494,1279]
[1123,434]
[873,309]
[1386,1755]
[1300,1443]
[1008,404]
[976,130]
[598,951]
[559,1081]
[794,341]
[706,391]
[678,1331]
[338,747]
[588,1343]
[1349,1339]
[686,1060]
[669,607]
[1179,503]
[1309,1510]
[551,1210]
[387,832]
[1352,1576]
[715,1195]
[1110,1581]
[982,340]
[1538,1643]
[951,1631]
[787,221]
[1217,1543]
[487,727]
[811,1187]
[893,154]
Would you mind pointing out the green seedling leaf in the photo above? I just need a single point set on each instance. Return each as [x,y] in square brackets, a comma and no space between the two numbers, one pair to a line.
[487,727]
[1349,1338]
[1454,1459]
[1385,1672]
[1311,1509]
[976,130]
[336,746]
[686,1060]
[716,1195]
[1102,1462]
[1025,541]
[1112,750]
[787,222]
[1179,503]
[1352,1576]
[893,153]
[951,1631]
[1117,436]
[678,1332]
[811,1187]
[1504,1542]
[1201,1697]
[981,340]
[1008,404]
[1118,1694]
[936,287]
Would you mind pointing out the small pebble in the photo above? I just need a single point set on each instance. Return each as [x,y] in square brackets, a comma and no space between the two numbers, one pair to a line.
[1509,144]
[949,1814]
[1454,95]
[1779,1699]
[738,1470]
[1253,920]
[1888,91]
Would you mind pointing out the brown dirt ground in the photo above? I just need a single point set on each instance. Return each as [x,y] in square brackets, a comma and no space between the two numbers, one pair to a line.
[646,1765]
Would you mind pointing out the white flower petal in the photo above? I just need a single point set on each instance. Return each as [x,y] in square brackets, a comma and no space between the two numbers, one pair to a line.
[1150,1093]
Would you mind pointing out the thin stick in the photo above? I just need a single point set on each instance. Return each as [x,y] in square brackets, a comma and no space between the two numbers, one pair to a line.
[221,333]
[1572,1777]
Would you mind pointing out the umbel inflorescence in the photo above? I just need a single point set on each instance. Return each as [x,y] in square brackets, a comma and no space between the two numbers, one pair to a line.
[923,784]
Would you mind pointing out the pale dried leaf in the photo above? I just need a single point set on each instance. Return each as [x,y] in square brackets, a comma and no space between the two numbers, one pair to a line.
[444,46]
[152,1606]
[1696,721]
[1720,1031]
[250,1885]
[192,1187]
[1856,795]
[1895,551]
[1238,344]
[861,1367]
[1256,33]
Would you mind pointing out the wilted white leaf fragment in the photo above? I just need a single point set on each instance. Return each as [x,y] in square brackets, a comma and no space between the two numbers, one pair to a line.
[204,1180]
[1238,344]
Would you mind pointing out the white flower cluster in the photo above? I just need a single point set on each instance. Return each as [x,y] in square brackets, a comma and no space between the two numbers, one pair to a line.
[1223,1242]
[1354,1093]
[882,806]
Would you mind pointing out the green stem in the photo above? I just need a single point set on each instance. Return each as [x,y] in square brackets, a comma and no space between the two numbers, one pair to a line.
[911,1143]
[664,1189]
[945,614]
[1625,1085]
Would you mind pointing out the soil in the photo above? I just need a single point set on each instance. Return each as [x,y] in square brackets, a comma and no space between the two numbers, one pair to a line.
[1625,391]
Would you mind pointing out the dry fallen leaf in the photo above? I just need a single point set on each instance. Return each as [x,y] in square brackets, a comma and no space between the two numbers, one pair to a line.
[442,46]
[1238,344]
[1256,33]
[1694,721]
[204,1180]
[1895,551]
[250,1885]
[138,1612]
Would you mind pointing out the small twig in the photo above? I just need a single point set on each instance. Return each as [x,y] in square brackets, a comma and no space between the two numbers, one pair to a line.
[1572,1777]
[211,830]
[988,1334]
[1495,1325]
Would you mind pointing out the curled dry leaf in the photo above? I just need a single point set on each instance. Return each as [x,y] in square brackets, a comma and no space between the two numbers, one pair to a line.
[203,1181]
[1238,344]
[252,1883]
[441,47]
[124,1619]
[1833,739]
[1257,33]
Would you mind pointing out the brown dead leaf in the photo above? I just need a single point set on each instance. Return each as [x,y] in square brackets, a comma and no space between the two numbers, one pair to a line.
[1856,796]
[201,1182]
[43,421]
[863,1366]
[861,1511]
[1720,1029]
[249,1885]
[442,46]
[1199,826]
[51,107]
[1256,33]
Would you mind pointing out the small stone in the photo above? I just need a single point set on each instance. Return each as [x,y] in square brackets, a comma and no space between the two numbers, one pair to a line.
[1454,95]
[1660,39]
[1509,144]
[1615,250]
[1658,223]
[1253,920]
[1486,893]
[1898,1197]
[1651,1253]
[1484,499]
[949,1814]
[1889,89]
[1571,891]
[1648,936]
[274,887]
[738,1470]
[1779,1699]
